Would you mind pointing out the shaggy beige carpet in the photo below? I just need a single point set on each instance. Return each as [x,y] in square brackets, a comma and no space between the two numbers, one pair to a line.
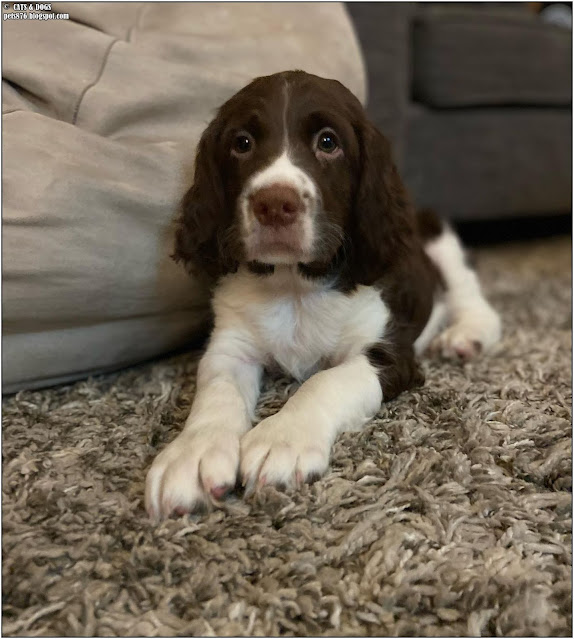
[449,515]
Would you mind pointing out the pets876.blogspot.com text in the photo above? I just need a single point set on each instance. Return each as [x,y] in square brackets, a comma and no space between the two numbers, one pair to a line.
[31,11]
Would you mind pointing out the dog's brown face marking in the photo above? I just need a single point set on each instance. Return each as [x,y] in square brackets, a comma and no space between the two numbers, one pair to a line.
[308,121]
[335,205]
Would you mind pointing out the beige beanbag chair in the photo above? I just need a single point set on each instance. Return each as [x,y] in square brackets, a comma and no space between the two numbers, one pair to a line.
[102,113]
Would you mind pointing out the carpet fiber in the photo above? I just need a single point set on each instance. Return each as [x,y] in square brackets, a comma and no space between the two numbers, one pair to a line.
[449,515]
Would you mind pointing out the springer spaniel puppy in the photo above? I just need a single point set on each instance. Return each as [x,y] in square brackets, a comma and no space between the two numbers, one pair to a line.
[320,266]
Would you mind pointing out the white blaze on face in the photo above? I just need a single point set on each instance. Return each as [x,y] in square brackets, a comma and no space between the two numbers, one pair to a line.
[282,245]
[288,244]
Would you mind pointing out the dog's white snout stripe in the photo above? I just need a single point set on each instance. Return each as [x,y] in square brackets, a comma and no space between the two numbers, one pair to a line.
[283,171]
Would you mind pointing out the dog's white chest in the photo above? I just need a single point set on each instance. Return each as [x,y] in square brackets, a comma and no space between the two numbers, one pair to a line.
[301,333]
[300,325]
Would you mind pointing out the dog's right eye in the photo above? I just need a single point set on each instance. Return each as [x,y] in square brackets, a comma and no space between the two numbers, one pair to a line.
[242,144]
[327,141]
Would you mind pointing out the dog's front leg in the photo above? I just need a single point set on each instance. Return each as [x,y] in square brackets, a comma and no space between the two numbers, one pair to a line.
[293,445]
[202,462]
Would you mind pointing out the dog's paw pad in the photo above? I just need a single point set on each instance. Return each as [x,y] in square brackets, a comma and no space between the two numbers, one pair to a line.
[219,492]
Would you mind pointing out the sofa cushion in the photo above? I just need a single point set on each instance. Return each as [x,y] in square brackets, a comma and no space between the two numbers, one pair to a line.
[489,163]
[101,116]
[465,57]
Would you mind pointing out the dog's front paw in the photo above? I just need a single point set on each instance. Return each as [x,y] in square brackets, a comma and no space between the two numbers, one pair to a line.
[282,453]
[194,470]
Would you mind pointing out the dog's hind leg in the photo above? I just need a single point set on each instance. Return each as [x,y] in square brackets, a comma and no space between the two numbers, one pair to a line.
[472,325]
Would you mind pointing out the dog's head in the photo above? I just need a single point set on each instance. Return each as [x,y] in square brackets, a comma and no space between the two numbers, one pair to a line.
[291,171]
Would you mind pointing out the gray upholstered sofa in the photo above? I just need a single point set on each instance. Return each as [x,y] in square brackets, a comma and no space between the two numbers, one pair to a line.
[477,101]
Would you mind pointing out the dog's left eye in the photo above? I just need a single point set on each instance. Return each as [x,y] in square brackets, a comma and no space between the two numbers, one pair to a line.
[327,141]
[242,144]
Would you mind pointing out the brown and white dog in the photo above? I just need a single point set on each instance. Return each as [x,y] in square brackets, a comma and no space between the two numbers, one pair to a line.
[321,266]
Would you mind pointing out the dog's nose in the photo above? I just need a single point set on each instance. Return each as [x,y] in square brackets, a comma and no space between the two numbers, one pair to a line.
[276,205]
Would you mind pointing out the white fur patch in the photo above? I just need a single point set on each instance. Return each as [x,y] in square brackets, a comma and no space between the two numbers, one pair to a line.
[297,323]
[436,322]
[300,236]
[474,326]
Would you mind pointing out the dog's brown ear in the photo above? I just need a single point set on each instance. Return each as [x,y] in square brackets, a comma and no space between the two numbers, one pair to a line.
[383,225]
[202,230]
